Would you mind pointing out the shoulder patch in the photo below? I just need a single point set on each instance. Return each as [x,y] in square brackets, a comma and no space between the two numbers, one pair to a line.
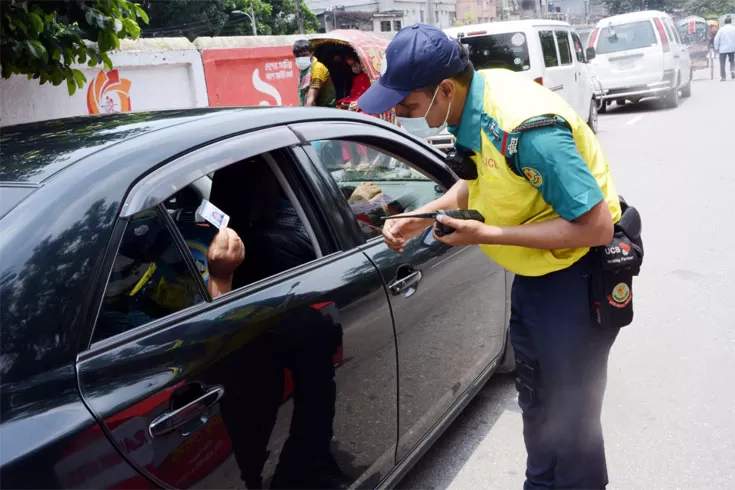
[533,176]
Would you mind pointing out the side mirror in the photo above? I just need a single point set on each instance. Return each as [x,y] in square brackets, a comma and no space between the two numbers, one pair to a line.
[591,54]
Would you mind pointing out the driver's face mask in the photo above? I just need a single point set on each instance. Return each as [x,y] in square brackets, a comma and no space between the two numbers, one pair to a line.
[461,164]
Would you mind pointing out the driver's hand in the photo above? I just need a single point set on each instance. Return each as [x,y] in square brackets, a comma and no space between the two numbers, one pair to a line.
[353,106]
[225,254]
[397,232]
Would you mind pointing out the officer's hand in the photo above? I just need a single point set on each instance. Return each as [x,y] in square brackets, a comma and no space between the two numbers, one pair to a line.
[467,232]
[397,232]
[225,254]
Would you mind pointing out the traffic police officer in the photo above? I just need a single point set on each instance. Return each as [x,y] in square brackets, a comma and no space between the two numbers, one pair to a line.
[545,190]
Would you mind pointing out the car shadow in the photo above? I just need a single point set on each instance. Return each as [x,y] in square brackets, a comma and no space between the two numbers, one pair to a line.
[646,105]
[447,456]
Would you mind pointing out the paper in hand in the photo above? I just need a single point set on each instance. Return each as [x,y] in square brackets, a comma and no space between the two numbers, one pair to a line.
[213,214]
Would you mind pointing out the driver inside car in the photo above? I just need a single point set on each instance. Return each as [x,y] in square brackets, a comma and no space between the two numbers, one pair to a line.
[149,279]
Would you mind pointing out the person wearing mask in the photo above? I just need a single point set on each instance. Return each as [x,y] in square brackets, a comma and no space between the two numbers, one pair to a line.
[360,84]
[537,174]
[315,83]
[725,45]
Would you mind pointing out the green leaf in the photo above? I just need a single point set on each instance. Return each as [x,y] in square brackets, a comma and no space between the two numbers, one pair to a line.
[141,13]
[20,25]
[36,49]
[11,24]
[36,22]
[79,78]
[71,85]
[132,27]
[108,62]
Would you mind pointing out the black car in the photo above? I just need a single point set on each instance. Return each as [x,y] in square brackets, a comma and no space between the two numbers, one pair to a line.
[333,361]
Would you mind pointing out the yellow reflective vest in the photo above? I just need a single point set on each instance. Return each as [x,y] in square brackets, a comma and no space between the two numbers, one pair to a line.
[507,199]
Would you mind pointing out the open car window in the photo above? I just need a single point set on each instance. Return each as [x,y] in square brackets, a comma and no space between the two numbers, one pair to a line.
[374,183]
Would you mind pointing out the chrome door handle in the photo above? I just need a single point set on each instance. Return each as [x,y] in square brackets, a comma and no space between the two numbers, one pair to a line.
[406,285]
[172,420]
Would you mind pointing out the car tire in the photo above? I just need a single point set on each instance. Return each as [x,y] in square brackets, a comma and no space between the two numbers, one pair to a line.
[671,99]
[686,90]
[593,119]
[508,363]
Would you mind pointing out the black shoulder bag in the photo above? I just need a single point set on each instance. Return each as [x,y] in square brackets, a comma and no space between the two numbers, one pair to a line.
[611,282]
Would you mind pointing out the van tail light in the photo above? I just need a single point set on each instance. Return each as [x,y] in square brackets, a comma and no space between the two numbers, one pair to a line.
[539,80]
[593,38]
[662,34]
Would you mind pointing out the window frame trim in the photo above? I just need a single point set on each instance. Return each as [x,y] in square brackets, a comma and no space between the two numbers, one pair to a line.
[375,137]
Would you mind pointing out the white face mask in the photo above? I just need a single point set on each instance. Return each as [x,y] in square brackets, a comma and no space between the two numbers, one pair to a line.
[419,126]
[303,62]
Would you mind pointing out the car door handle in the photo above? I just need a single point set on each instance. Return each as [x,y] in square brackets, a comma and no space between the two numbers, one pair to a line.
[406,285]
[171,420]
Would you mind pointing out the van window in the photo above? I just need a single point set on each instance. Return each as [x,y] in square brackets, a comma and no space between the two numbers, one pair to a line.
[548,47]
[565,51]
[634,35]
[507,50]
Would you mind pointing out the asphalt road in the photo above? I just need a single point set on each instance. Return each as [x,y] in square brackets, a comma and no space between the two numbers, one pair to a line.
[669,413]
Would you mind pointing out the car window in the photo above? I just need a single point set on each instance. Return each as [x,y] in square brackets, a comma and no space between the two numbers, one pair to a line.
[507,50]
[150,278]
[374,183]
[578,48]
[634,35]
[565,50]
[548,48]
[268,221]
[674,32]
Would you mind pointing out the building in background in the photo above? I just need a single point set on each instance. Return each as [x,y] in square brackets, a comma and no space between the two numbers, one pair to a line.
[477,11]
[387,16]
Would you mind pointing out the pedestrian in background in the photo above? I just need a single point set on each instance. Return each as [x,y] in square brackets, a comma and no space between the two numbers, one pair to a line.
[725,45]
[315,84]
[547,196]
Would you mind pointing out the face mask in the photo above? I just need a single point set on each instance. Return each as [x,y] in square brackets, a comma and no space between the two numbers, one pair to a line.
[419,126]
[303,62]
[356,69]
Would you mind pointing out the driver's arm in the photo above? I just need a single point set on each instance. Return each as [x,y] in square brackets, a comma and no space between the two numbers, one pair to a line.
[225,254]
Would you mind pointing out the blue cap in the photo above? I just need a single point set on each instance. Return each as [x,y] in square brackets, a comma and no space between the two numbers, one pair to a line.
[419,55]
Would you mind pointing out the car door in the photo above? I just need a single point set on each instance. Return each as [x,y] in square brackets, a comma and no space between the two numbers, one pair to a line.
[554,75]
[286,381]
[448,304]
[568,70]
[681,51]
[585,88]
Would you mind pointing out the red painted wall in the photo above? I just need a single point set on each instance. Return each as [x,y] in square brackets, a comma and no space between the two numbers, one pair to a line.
[251,76]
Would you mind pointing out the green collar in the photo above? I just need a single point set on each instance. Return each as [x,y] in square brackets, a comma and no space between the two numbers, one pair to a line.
[469,130]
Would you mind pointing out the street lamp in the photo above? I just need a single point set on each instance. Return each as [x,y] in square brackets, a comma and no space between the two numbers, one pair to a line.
[250,16]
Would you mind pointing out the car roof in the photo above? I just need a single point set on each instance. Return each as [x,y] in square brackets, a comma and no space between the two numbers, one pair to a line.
[631,17]
[33,153]
[505,26]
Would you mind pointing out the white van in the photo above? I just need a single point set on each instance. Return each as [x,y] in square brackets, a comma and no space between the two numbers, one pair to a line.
[641,55]
[547,51]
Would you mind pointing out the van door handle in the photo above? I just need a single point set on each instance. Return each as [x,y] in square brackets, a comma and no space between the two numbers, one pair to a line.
[406,285]
[171,420]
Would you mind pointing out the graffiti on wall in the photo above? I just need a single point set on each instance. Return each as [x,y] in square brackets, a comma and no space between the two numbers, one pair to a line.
[109,93]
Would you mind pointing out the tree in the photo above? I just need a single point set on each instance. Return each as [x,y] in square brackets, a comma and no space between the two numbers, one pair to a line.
[196,18]
[710,8]
[44,38]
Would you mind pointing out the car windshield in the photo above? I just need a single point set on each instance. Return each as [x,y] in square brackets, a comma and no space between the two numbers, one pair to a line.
[622,37]
[507,50]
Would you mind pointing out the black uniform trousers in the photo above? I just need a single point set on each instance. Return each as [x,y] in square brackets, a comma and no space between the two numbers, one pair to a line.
[562,371]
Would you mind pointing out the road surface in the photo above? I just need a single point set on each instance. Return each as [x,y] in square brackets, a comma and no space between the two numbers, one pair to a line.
[669,413]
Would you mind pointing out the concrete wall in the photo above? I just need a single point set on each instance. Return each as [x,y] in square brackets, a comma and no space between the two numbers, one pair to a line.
[148,74]
[167,73]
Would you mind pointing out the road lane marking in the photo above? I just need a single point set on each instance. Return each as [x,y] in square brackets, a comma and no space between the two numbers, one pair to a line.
[634,120]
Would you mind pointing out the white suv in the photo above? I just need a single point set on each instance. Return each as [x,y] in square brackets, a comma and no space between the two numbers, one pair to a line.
[641,55]
[547,51]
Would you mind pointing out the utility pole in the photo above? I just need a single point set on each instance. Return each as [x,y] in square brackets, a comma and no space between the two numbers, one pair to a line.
[252,18]
[429,13]
[299,19]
